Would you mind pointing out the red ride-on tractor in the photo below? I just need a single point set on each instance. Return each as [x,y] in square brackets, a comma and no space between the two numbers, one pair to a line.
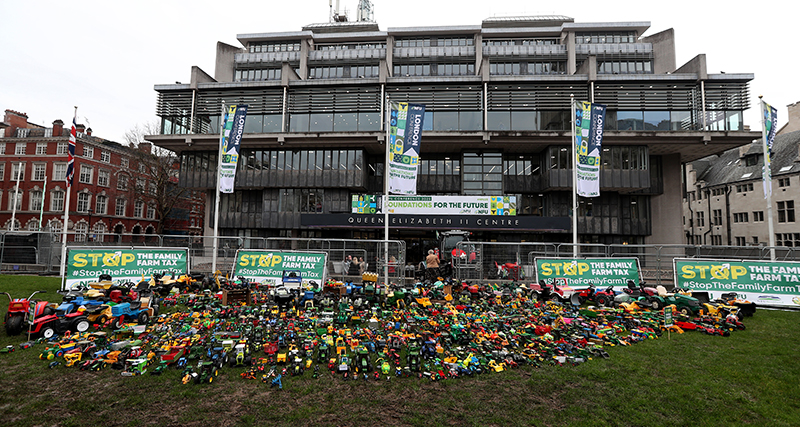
[17,313]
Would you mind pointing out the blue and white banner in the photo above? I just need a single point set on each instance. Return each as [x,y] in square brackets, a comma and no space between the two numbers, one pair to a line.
[770,122]
[233,129]
[589,122]
[405,136]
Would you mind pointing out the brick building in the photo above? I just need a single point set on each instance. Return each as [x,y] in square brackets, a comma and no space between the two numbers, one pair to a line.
[108,187]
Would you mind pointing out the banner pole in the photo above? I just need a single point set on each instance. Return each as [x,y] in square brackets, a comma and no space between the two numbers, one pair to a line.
[44,196]
[68,180]
[385,206]
[216,193]
[767,177]
[16,197]
[574,151]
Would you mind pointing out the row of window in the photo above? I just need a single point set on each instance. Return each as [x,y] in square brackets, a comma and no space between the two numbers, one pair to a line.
[62,148]
[84,205]
[522,42]
[791,240]
[346,46]
[743,188]
[624,67]
[434,41]
[464,120]
[257,75]
[613,157]
[786,214]
[523,68]
[273,47]
[605,37]
[343,72]
[408,70]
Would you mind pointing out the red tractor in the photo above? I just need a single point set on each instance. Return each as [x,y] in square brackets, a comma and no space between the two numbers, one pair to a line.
[17,312]
[42,318]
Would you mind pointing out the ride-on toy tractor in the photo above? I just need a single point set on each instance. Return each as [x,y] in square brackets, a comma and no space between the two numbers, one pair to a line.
[17,313]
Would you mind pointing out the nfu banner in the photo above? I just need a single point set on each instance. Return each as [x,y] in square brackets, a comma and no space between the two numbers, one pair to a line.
[281,267]
[762,282]
[405,135]
[603,272]
[85,265]
[232,132]
[589,121]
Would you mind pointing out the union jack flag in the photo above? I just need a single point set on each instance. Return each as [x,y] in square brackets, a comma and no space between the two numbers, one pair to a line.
[71,159]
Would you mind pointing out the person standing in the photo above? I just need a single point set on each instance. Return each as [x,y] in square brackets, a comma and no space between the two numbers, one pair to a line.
[432,264]
[347,261]
[362,266]
[355,268]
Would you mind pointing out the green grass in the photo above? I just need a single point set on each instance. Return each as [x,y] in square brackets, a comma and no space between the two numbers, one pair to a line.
[749,378]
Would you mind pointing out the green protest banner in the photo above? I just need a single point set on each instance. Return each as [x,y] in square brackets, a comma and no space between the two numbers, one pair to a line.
[280,267]
[762,282]
[602,272]
[85,265]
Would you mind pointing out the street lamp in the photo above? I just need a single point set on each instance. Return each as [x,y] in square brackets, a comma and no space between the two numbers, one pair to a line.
[89,230]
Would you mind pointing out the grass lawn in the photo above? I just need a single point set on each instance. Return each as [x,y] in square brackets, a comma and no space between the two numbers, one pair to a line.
[749,378]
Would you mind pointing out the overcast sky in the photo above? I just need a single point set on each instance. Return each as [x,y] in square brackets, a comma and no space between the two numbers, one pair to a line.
[106,56]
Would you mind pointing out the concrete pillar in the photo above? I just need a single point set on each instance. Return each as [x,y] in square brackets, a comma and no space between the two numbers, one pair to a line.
[666,210]
[571,59]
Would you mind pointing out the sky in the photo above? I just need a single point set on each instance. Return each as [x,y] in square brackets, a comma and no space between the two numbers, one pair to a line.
[106,56]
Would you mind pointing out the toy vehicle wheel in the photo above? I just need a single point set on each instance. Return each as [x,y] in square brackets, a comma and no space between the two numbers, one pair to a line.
[143,318]
[48,332]
[601,301]
[656,305]
[13,325]
[118,322]
[102,319]
[685,311]
[81,325]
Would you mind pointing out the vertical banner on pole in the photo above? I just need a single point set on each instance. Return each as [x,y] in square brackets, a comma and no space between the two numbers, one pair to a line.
[405,136]
[589,122]
[235,116]
[770,122]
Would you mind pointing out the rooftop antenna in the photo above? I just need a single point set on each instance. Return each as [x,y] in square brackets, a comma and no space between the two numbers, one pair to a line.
[335,16]
[364,11]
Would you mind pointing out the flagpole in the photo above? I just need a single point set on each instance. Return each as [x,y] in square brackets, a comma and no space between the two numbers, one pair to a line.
[217,193]
[385,206]
[573,149]
[16,198]
[68,179]
[44,194]
[767,177]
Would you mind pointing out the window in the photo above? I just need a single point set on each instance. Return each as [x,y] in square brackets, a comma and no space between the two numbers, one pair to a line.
[86,174]
[39,171]
[124,162]
[55,229]
[98,232]
[786,211]
[122,182]
[740,241]
[33,225]
[743,188]
[758,216]
[140,185]
[2,171]
[88,151]
[151,212]
[717,216]
[20,148]
[57,201]
[716,240]
[482,173]
[81,229]
[740,217]
[151,187]
[41,148]
[701,219]
[718,192]
[138,209]
[62,148]
[755,240]
[83,202]
[783,182]
[787,239]
[36,200]
[3,148]
[751,160]
[142,168]
[105,157]
[103,177]
[17,172]
[59,171]
[119,209]
[14,196]
[101,205]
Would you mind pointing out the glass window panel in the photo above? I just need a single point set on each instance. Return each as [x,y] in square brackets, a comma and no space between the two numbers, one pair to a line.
[272,123]
[630,120]
[499,120]
[734,120]
[321,122]
[369,121]
[554,120]
[345,122]
[328,160]
[445,120]
[254,123]
[470,120]
[298,123]
[524,120]
[656,120]
[335,160]
[472,168]
[427,122]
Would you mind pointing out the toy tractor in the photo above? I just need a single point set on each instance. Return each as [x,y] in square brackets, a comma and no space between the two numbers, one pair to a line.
[241,356]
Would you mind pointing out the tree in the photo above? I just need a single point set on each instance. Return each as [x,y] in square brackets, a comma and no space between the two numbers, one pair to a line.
[159,167]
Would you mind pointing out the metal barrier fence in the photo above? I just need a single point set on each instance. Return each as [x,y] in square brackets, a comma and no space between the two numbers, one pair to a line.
[481,259]
[41,252]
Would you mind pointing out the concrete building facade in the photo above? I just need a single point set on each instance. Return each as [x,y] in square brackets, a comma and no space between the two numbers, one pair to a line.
[497,122]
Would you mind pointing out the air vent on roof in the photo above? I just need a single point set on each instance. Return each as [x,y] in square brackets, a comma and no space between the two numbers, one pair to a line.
[747,175]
